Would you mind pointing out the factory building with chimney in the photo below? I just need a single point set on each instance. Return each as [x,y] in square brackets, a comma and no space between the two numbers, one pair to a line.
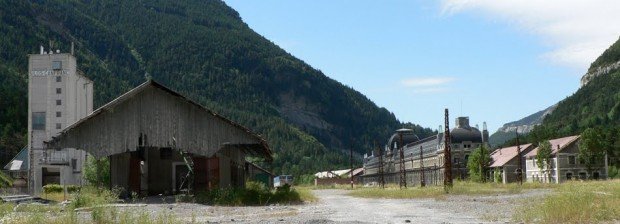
[423,158]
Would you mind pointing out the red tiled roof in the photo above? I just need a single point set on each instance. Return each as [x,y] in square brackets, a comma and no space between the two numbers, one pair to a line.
[503,155]
[561,142]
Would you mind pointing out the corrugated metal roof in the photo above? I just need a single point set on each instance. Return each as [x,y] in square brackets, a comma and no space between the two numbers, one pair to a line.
[502,156]
[19,162]
[557,145]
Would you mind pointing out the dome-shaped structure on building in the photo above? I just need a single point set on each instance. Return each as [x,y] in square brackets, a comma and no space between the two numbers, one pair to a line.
[465,133]
[408,137]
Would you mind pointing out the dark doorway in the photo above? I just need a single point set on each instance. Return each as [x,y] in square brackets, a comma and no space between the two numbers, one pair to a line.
[180,174]
[134,175]
[50,176]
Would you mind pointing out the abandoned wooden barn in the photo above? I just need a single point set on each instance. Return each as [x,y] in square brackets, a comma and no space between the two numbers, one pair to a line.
[151,134]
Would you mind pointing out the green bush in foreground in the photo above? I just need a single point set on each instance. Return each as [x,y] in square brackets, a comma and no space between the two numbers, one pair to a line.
[57,188]
[575,202]
[254,193]
[91,196]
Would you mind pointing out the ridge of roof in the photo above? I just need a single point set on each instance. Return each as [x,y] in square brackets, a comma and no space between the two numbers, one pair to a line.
[558,141]
[155,84]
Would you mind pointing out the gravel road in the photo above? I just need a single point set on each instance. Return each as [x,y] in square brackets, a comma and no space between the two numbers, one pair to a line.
[335,206]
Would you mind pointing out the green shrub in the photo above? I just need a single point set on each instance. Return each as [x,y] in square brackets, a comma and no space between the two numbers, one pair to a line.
[613,172]
[255,193]
[97,172]
[91,196]
[5,180]
[57,188]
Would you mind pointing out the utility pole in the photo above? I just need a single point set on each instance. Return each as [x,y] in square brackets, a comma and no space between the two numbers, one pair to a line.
[403,174]
[422,179]
[351,163]
[381,180]
[447,166]
[520,168]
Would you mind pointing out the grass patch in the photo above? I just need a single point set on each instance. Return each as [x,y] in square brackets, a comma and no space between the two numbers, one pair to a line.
[330,186]
[305,194]
[575,202]
[254,194]
[57,197]
[437,192]
[91,196]
[95,199]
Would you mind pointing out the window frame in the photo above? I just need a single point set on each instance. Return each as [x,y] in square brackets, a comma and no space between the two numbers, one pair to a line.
[36,121]
[56,65]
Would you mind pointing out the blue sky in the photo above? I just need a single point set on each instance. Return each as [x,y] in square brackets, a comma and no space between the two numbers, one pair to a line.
[494,62]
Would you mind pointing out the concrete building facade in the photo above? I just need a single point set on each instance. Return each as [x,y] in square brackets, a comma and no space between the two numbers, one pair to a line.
[565,164]
[506,162]
[58,95]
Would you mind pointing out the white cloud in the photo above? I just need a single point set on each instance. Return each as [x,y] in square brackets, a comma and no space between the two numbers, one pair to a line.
[426,81]
[578,31]
[432,90]
[423,85]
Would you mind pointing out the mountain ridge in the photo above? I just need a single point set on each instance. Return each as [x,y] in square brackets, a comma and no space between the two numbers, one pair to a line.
[205,51]
[523,126]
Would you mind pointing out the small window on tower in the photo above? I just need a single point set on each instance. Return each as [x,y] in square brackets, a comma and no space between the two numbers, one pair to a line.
[58,78]
[58,90]
[58,114]
[38,121]
[58,102]
[56,65]
[58,126]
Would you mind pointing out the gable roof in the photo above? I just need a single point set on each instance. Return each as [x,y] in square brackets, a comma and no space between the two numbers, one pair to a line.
[19,162]
[504,155]
[71,136]
[557,145]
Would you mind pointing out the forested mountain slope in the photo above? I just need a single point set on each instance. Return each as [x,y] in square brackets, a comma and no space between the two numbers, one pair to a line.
[204,50]
[595,105]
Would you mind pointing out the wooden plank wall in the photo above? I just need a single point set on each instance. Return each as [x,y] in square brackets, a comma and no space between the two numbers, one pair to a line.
[156,117]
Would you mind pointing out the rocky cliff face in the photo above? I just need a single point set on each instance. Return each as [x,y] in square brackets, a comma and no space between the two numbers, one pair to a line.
[523,126]
[598,72]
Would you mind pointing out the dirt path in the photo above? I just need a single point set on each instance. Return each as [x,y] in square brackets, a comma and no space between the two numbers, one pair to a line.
[343,208]
[335,206]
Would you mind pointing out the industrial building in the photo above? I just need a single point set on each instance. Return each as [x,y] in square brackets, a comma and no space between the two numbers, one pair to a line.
[423,157]
[58,95]
[157,141]
[155,136]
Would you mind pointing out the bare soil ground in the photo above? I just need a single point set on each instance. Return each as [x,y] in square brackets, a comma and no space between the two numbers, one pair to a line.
[334,206]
